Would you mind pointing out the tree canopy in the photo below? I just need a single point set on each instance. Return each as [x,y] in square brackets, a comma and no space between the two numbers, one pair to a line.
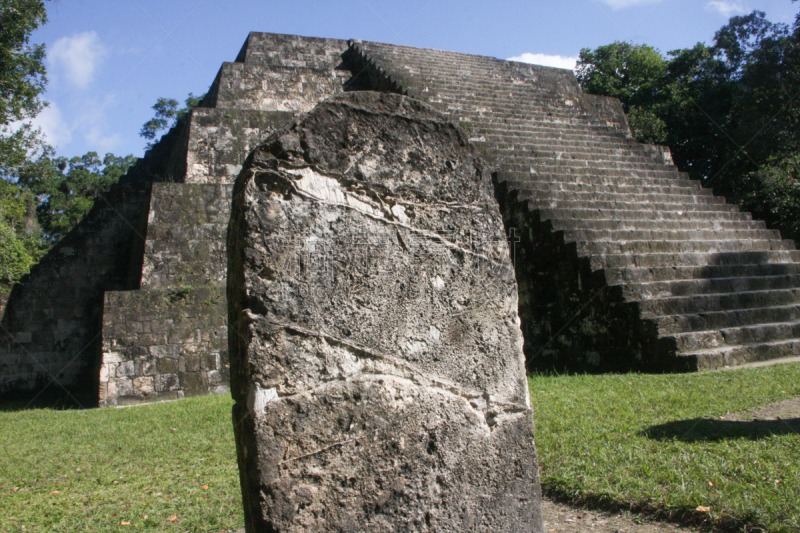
[730,111]
[167,115]
[22,81]
[41,196]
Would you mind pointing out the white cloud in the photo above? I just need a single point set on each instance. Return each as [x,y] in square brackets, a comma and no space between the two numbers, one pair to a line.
[55,129]
[620,4]
[726,9]
[102,142]
[77,57]
[546,60]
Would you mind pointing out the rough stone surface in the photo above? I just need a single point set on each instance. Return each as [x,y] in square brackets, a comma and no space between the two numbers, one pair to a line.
[376,354]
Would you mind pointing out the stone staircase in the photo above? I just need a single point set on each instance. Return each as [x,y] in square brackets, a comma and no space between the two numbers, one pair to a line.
[622,261]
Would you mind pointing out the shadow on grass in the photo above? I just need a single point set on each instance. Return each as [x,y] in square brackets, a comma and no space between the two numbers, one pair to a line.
[709,429]
[50,398]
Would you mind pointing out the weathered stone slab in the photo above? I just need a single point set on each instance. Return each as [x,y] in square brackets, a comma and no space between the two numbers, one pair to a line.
[376,354]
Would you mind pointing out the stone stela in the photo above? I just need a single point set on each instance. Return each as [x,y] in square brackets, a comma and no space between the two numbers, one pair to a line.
[381,386]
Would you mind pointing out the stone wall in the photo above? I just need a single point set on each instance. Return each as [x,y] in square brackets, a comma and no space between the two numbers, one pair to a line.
[163,344]
[572,320]
[186,235]
[163,341]
[51,324]
[220,139]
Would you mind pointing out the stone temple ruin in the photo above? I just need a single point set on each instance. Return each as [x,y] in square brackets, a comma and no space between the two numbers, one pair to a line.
[622,261]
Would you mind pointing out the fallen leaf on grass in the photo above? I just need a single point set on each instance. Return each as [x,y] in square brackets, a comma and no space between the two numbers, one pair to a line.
[172,518]
[702,509]
[55,492]
[124,523]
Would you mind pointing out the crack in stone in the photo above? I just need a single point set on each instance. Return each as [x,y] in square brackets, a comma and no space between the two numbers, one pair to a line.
[430,235]
[494,408]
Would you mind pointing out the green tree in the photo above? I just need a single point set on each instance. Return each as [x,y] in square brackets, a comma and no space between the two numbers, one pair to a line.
[633,73]
[22,80]
[730,112]
[772,193]
[41,196]
[21,243]
[167,115]
[68,188]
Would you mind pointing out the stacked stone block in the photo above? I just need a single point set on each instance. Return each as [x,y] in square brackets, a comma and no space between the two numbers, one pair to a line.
[169,339]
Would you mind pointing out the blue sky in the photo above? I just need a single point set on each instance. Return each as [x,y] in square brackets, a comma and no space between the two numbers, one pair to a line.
[108,61]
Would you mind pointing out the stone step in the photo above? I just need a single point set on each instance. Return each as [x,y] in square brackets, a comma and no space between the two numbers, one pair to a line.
[724,287]
[691,259]
[509,133]
[494,111]
[609,224]
[543,142]
[689,287]
[588,187]
[577,157]
[522,180]
[603,248]
[525,96]
[572,156]
[564,125]
[592,213]
[723,318]
[660,234]
[545,145]
[621,205]
[696,341]
[635,276]
[738,355]
[595,168]
[630,198]
[608,185]
[699,303]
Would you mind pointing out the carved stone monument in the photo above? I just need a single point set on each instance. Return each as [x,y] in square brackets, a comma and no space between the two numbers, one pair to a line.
[376,353]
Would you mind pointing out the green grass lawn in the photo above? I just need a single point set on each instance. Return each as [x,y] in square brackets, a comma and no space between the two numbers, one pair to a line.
[101,469]
[656,443]
[619,440]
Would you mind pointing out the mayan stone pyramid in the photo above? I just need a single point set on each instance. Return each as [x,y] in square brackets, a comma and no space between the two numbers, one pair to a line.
[622,261]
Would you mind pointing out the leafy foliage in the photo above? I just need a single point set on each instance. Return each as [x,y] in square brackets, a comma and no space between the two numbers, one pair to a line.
[22,73]
[22,80]
[68,188]
[41,196]
[730,111]
[167,115]
[772,193]
[21,243]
